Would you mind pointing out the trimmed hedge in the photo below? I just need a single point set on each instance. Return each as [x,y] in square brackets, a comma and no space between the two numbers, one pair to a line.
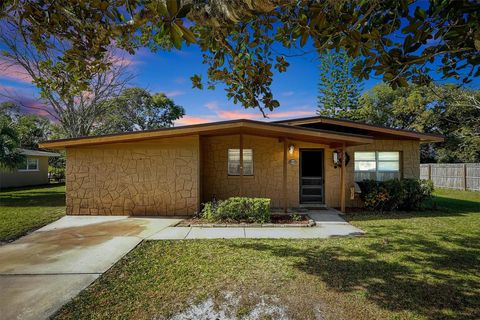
[238,209]
[405,194]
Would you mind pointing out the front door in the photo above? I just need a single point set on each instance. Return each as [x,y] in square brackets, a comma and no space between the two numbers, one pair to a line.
[311,176]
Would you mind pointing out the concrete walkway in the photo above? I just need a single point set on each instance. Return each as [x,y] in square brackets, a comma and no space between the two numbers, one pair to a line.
[328,224]
[42,271]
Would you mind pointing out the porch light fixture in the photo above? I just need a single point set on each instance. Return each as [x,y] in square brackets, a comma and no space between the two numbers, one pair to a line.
[291,149]
[337,161]
[337,158]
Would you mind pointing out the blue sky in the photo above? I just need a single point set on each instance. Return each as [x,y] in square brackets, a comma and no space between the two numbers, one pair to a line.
[170,72]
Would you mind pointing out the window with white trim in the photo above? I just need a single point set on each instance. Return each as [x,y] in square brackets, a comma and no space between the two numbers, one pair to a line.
[28,165]
[234,162]
[377,165]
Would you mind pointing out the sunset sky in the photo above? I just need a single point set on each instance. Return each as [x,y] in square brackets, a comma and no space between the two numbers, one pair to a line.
[170,72]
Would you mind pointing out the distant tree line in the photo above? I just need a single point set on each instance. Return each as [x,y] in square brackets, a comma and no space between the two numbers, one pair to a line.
[133,109]
[448,109]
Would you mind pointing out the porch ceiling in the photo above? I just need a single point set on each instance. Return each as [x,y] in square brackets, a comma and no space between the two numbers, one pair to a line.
[220,128]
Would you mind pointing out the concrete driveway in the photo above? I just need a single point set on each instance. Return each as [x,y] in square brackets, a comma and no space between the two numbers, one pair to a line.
[44,270]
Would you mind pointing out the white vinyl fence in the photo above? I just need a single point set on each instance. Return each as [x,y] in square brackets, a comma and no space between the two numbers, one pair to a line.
[462,176]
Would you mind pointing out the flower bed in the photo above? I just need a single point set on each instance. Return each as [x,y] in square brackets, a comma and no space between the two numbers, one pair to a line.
[276,220]
[243,211]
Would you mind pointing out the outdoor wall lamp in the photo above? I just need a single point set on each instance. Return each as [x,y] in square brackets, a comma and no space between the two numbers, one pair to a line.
[291,149]
[337,158]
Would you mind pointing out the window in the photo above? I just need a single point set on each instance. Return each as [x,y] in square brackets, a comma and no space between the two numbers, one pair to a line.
[29,165]
[380,165]
[234,162]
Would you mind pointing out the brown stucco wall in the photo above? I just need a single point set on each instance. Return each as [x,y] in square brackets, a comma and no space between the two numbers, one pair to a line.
[267,179]
[15,178]
[409,163]
[155,177]
[268,168]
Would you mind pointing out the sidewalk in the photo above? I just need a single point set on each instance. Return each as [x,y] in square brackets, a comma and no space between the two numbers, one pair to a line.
[328,224]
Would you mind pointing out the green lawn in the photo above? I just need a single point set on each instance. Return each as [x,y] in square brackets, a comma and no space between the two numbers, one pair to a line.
[415,266]
[26,209]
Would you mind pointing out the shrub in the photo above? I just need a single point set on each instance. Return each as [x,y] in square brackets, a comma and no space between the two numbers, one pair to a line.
[238,209]
[416,192]
[405,194]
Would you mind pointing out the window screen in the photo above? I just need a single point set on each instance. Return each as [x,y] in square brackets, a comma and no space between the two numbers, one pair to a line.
[234,162]
[379,165]
[28,165]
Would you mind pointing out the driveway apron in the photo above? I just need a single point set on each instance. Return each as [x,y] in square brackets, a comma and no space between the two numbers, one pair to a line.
[42,271]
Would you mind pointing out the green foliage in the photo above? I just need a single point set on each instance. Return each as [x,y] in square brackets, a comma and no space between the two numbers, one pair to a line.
[32,129]
[137,109]
[239,39]
[238,209]
[296,217]
[9,144]
[440,109]
[415,193]
[405,194]
[338,89]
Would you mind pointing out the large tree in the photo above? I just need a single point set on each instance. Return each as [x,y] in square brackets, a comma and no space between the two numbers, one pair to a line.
[400,41]
[136,109]
[338,89]
[75,104]
[443,109]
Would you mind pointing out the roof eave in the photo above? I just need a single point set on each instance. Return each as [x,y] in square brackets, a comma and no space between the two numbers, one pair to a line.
[241,125]
[422,137]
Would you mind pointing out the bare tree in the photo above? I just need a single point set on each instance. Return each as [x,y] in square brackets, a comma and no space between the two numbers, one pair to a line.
[76,106]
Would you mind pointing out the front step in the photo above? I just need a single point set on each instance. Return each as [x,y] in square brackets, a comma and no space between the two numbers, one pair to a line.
[313,206]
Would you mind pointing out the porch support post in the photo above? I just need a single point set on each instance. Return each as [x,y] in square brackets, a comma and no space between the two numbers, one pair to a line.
[342,180]
[285,160]
[241,164]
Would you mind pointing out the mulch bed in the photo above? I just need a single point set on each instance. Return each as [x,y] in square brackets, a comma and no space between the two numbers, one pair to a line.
[277,220]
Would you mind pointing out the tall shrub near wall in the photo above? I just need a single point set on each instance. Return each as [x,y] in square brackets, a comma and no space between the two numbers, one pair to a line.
[405,194]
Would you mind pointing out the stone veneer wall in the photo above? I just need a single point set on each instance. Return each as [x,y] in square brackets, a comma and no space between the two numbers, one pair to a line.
[156,177]
[268,168]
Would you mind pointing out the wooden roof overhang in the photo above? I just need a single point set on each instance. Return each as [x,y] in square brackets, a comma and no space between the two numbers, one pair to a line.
[331,138]
[374,131]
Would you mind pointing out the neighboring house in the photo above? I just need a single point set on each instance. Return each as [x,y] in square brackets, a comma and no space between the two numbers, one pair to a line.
[172,171]
[33,171]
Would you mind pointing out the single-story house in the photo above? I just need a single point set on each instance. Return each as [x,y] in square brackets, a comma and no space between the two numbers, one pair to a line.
[305,162]
[33,171]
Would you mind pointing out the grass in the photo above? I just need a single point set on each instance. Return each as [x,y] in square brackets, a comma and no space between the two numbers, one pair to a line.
[408,266]
[25,209]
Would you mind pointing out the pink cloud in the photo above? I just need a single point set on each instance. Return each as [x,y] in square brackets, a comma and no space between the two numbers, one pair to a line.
[223,115]
[189,120]
[28,102]
[238,114]
[11,71]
